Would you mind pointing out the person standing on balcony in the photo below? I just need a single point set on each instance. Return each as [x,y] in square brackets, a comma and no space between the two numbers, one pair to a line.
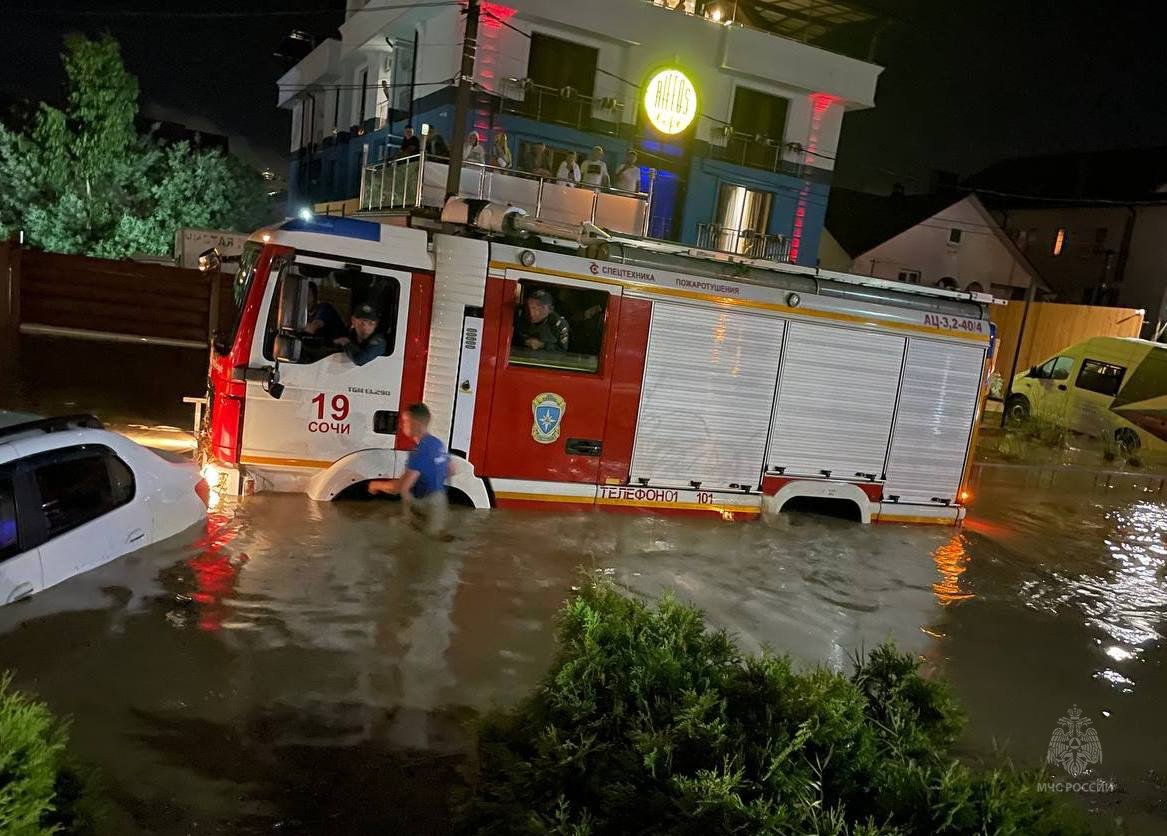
[410,144]
[627,177]
[568,171]
[538,163]
[437,147]
[595,169]
[472,151]
[500,151]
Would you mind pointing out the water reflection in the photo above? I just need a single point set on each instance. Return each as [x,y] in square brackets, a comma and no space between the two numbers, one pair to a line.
[952,562]
[1122,598]
[292,646]
[215,571]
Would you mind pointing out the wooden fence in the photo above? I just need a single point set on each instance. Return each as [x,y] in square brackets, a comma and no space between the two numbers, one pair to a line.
[100,299]
[1051,326]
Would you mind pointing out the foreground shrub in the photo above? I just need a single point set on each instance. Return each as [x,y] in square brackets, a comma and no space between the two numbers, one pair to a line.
[39,792]
[650,723]
[32,745]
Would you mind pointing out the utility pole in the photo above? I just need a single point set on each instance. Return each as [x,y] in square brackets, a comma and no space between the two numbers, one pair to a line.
[465,82]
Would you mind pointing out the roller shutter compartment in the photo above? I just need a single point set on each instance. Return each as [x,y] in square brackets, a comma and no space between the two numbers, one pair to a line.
[933,423]
[707,396]
[836,401]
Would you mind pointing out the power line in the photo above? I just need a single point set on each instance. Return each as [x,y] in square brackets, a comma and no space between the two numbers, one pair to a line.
[154,13]
[315,87]
[1093,201]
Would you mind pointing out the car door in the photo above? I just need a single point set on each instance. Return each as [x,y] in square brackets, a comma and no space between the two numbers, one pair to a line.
[20,565]
[1095,387]
[86,510]
[550,405]
[1051,389]
[327,406]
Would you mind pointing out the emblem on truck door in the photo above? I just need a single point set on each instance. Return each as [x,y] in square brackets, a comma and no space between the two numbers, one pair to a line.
[548,409]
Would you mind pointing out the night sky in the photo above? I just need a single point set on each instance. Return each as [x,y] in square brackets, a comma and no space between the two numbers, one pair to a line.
[967,82]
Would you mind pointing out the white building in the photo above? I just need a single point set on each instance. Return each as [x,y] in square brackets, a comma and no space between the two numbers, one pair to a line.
[755,161]
[959,246]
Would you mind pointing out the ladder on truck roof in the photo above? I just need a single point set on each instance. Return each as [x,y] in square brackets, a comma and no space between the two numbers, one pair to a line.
[729,259]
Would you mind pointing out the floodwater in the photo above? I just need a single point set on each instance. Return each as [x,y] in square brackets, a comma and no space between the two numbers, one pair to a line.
[311,668]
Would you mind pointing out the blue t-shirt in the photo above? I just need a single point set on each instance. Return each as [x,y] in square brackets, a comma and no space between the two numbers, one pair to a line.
[429,459]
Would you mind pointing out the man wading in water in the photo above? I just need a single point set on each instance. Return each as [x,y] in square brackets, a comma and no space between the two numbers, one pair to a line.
[423,485]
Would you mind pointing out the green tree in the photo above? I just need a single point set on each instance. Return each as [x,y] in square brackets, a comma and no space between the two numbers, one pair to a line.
[83,180]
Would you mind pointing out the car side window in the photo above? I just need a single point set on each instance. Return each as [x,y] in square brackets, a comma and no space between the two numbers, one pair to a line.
[80,484]
[9,541]
[1103,378]
[1061,368]
[1055,368]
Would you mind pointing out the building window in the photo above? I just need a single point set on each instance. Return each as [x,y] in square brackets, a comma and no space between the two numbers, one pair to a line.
[909,276]
[297,125]
[384,92]
[1103,378]
[758,113]
[1059,240]
[403,71]
[558,327]
[555,66]
[759,123]
[363,92]
[743,217]
[954,235]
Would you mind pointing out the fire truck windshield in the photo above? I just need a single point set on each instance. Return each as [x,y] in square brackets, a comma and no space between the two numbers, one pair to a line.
[224,338]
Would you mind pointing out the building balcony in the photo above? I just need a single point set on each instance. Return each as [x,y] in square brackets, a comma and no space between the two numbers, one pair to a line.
[743,242]
[567,107]
[395,185]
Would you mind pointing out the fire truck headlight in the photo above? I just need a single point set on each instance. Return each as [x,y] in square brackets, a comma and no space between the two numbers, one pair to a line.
[212,474]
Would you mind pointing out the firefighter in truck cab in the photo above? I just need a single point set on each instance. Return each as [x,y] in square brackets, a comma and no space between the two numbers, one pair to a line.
[363,343]
[542,329]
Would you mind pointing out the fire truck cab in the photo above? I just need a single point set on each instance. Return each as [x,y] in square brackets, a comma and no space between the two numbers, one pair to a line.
[689,382]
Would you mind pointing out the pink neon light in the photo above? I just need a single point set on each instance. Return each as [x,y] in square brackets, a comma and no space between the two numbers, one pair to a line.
[820,103]
[494,15]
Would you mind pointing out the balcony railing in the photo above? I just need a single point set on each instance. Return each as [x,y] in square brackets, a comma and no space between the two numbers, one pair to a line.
[395,184]
[744,242]
[566,106]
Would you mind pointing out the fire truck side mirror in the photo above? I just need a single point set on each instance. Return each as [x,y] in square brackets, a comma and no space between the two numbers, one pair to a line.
[272,385]
[287,348]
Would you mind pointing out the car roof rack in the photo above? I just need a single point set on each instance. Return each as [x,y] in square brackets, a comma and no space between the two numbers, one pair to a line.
[54,425]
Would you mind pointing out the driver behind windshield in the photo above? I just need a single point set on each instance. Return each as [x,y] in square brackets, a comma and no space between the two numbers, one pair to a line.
[363,343]
[324,322]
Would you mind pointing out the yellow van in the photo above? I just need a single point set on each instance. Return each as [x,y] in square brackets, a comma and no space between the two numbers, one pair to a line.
[1106,386]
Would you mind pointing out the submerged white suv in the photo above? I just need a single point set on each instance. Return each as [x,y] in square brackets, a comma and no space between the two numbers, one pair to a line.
[74,496]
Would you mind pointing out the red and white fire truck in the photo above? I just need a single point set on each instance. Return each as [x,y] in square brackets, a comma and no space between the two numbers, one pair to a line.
[690,383]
